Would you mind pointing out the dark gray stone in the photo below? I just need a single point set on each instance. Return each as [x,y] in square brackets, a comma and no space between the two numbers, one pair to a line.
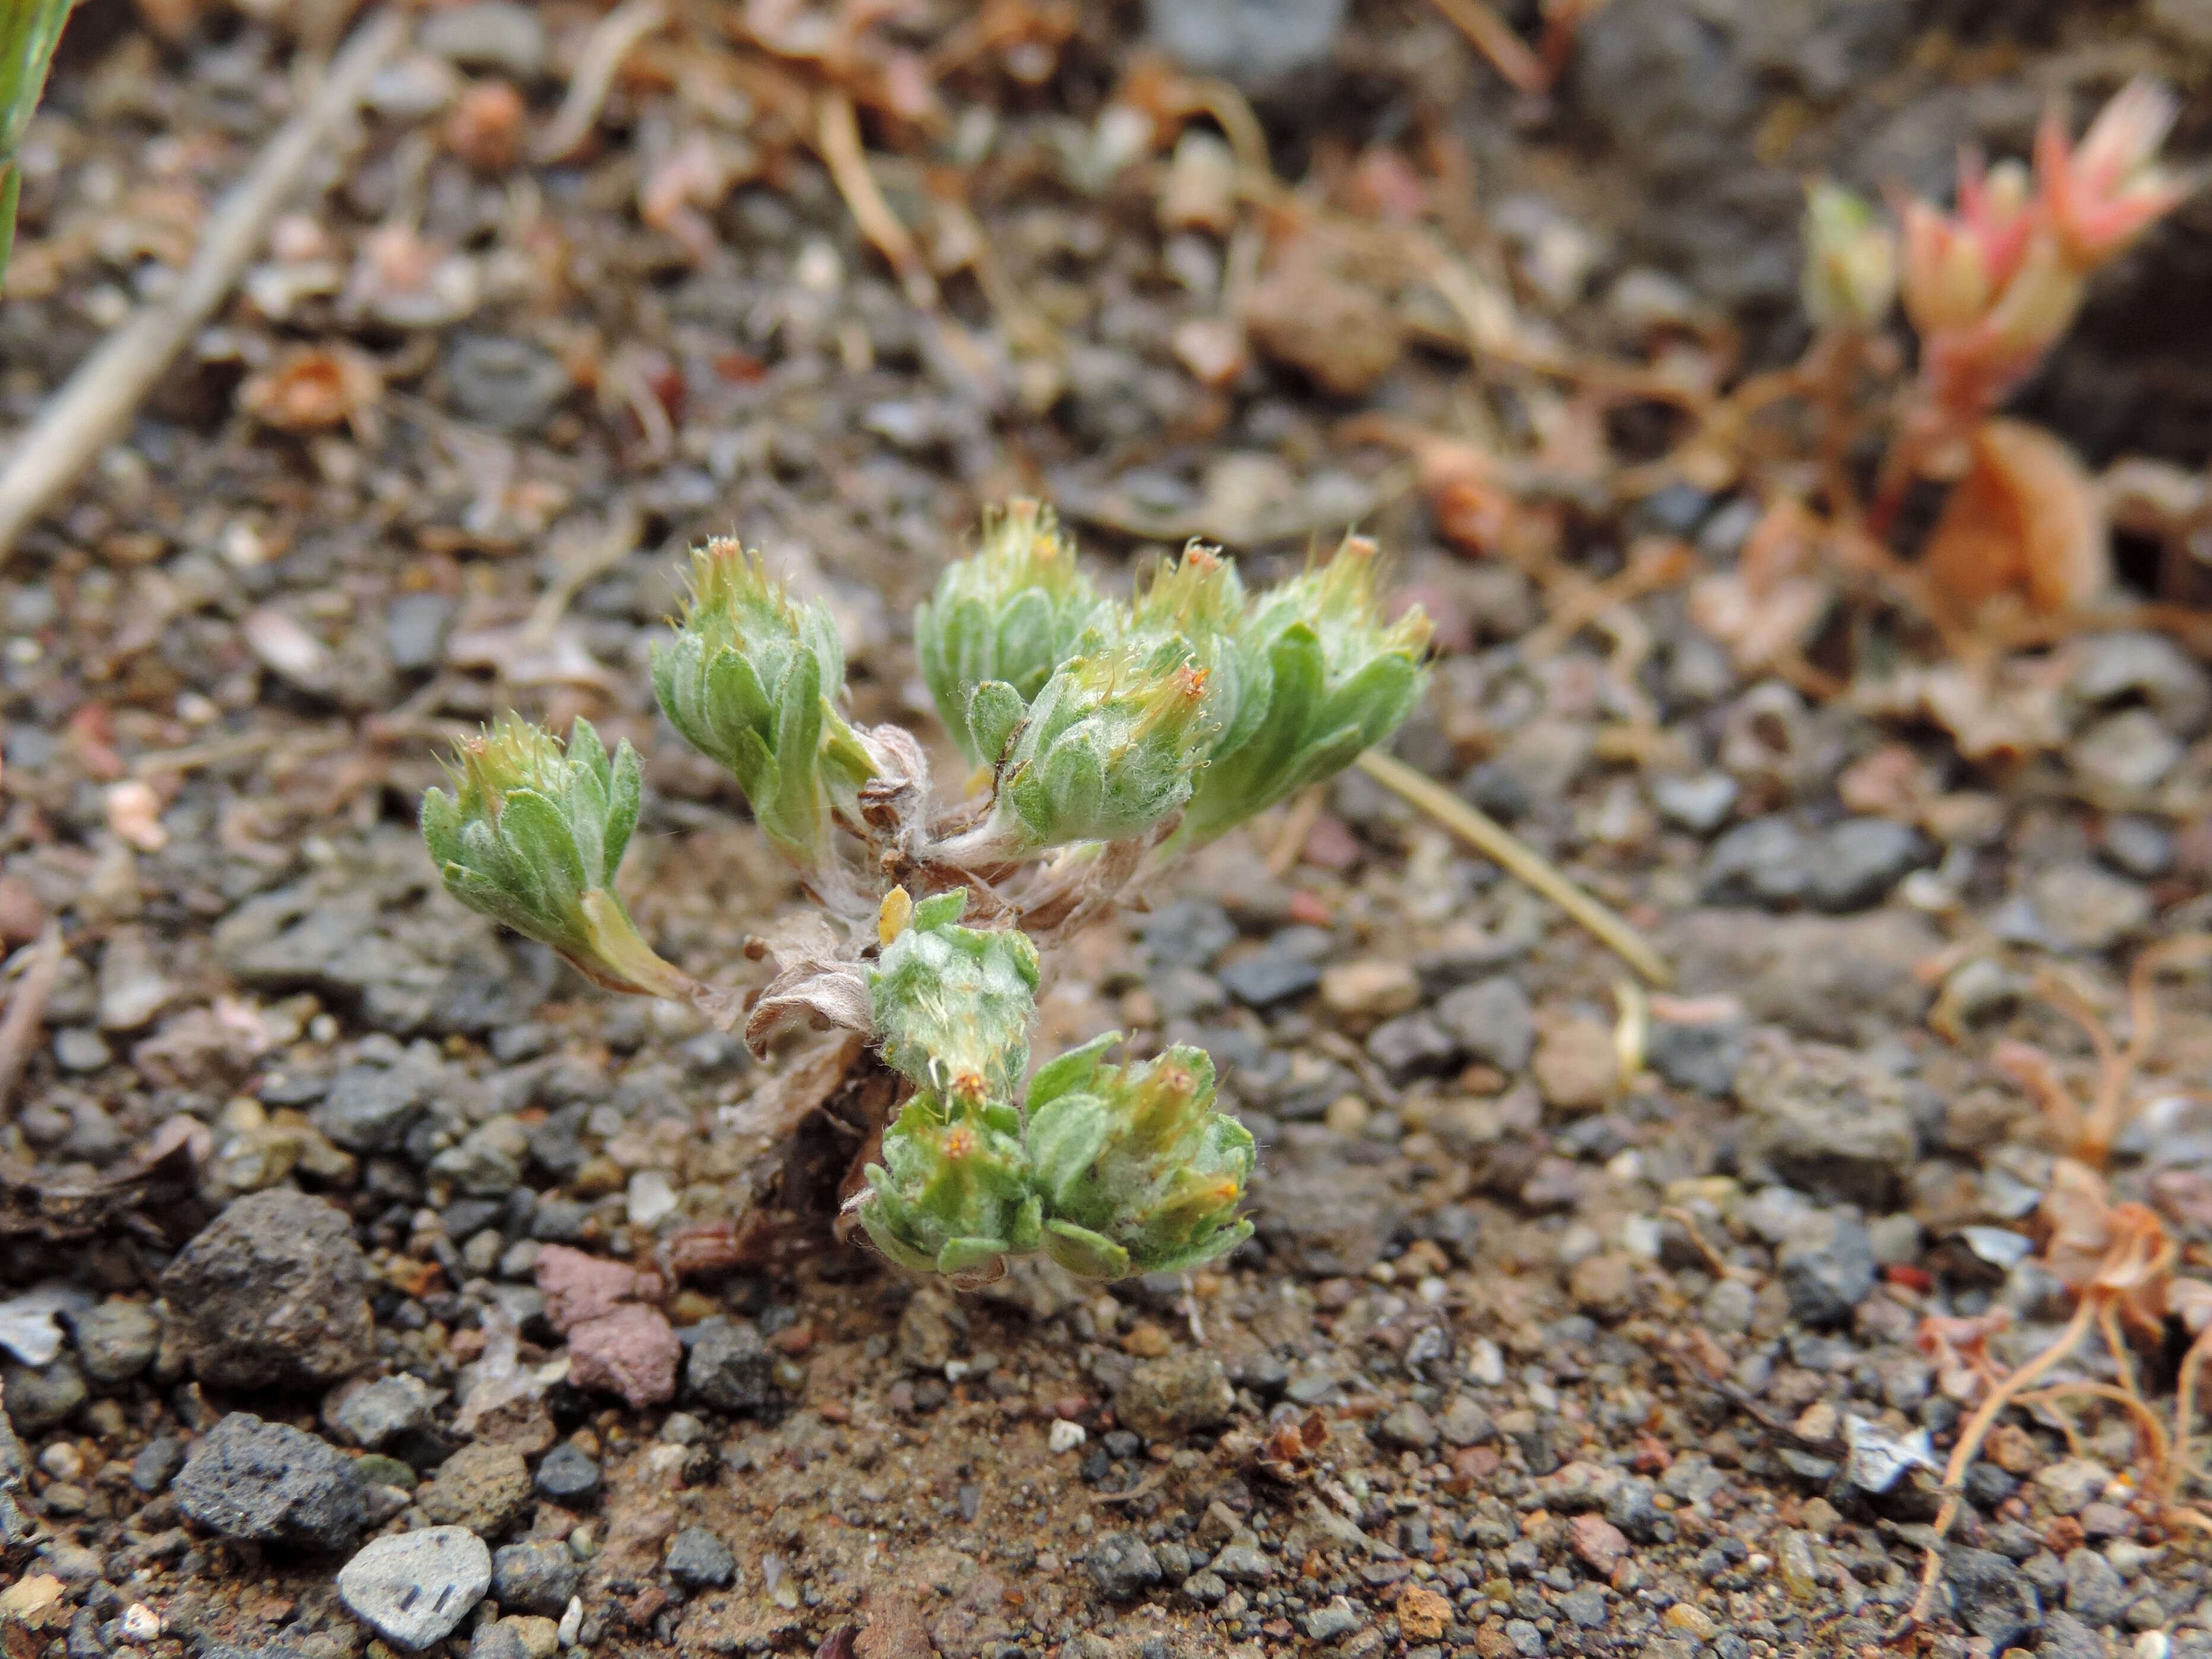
[1409,1428]
[1700,804]
[1241,1561]
[1187,933]
[488,34]
[269,1481]
[1491,1022]
[1702,1057]
[1857,861]
[369,1108]
[1122,1565]
[1466,1424]
[1826,1122]
[1255,43]
[274,1294]
[39,1397]
[1269,975]
[2065,1636]
[15,1526]
[506,384]
[1766,861]
[1325,1219]
[1827,1267]
[1630,1508]
[1992,1597]
[1165,1398]
[1843,978]
[729,1368]
[2143,847]
[2096,1592]
[413,1588]
[415,628]
[698,1560]
[156,1464]
[569,1477]
[1334,1618]
[498,1640]
[1411,1046]
[116,1340]
[537,1578]
[1586,1606]
[379,1412]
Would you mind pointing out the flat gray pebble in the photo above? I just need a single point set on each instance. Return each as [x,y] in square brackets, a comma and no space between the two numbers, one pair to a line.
[413,1588]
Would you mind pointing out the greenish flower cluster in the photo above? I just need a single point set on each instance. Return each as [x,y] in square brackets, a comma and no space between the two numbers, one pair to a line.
[1121,731]
[1111,1169]
[1197,698]
[1006,617]
[1138,1173]
[29,32]
[751,679]
[1324,677]
[952,1005]
[532,837]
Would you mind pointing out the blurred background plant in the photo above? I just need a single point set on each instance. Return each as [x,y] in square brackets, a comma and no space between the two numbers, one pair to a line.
[29,32]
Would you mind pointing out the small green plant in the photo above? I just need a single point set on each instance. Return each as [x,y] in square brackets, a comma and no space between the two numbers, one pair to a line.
[29,32]
[1108,739]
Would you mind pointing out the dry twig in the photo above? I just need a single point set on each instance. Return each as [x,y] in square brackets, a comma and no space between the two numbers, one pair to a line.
[1492,839]
[19,1030]
[97,402]
[1491,36]
[611,40]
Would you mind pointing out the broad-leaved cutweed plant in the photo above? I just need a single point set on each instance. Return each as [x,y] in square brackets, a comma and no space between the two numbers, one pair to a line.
[1108,739]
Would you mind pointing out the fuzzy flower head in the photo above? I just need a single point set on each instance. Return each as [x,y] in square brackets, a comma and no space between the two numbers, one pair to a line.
[1138,1173]
[953,1192]
[1109,749]
[1330,675]
[952,1006]
[532,837]
[1200,600]
[2100,196]
[1008,615]
[1849,278]
[750,679]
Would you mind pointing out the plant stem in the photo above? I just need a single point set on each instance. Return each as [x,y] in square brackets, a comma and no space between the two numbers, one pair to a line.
[1492,839]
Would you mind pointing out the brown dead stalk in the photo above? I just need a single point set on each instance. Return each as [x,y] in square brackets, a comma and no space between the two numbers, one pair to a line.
[2118,1259]
[99,400]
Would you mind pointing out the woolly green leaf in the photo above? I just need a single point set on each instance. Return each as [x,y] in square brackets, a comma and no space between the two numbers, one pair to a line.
[1087,1254]
[1066,1072]
[996,711]
[625,794]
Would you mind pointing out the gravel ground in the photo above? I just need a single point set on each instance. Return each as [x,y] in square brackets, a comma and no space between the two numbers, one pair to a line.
[360,1282]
